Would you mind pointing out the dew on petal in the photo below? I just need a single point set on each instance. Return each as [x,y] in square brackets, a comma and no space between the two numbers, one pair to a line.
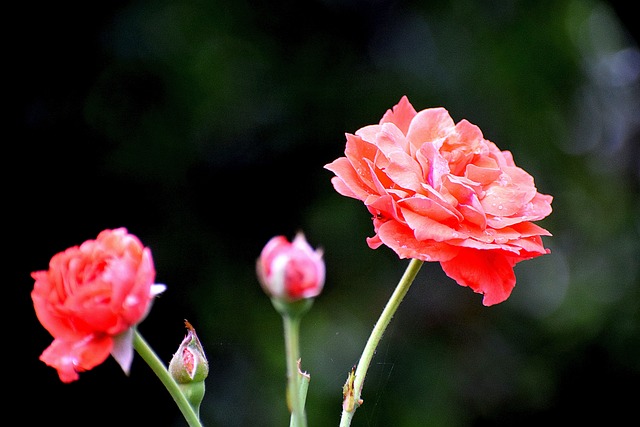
[70,360]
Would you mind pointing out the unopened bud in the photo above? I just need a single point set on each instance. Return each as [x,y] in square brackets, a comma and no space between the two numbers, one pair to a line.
[291,271]
[189,368]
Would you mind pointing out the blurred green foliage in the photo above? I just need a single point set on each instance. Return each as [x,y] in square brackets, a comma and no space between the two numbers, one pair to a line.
[203,127]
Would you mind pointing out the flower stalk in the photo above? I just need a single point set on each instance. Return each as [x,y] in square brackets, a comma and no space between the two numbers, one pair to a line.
[156,365]
[353,387]
[304,378]
[297,381]
[292,274]
[295,402]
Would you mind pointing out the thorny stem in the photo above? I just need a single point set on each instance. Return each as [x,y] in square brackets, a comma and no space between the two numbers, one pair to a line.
[156,365]
[353,388]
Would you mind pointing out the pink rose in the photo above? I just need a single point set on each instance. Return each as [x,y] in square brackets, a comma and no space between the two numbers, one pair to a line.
[439,191]
[290,271]
[89,300]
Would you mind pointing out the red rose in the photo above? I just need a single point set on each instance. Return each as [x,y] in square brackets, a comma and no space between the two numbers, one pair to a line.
[439,191]
[90,298]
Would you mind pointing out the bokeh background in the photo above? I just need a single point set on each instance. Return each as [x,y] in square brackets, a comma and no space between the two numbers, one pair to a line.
[203,127]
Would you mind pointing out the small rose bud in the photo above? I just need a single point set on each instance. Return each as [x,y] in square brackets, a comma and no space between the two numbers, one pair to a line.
[290,272]
[189,368]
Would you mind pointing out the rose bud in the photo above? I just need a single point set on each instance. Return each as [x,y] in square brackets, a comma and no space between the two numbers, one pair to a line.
[290,272]
[189,368]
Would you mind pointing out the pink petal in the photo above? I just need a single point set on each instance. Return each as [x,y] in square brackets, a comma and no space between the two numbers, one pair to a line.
[405,171]
[122,350]
[401,115]
[429,125]
[435,209]
[425,228]
[346,181]
[402,241]
[433,164]
[482,175]
[384,206]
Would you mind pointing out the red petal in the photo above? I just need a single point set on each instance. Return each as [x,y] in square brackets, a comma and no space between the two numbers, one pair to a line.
[403,243]
[71,357]
[486,272]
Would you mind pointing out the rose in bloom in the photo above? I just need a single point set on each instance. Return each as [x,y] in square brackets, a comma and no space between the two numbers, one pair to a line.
[439,191]
[290,271]
[90,298]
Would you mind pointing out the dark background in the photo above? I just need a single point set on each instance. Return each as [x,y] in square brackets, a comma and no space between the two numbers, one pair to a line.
[203,128]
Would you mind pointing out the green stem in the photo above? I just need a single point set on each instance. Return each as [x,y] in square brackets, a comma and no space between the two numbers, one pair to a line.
[292,347]
[376,335]
[302,392]
[156,365]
